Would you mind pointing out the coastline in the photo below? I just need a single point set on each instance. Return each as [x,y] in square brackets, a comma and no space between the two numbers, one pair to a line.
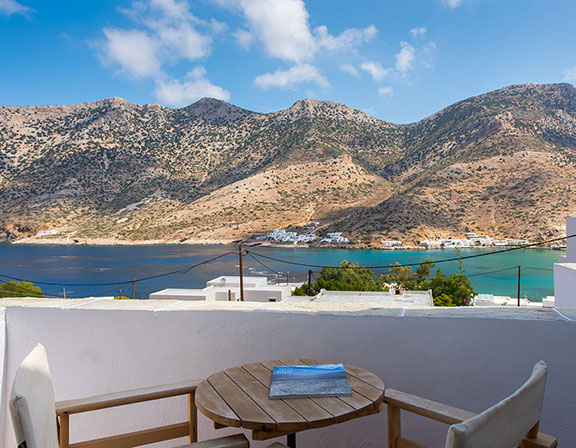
[115,242]
[248,243]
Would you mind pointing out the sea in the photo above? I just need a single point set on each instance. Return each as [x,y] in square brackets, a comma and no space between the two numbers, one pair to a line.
[77,271]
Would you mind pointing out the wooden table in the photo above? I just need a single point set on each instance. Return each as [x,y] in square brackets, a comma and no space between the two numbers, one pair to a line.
[238,397]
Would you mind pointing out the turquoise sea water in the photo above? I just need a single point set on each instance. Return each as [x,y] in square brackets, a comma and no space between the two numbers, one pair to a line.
[105,264]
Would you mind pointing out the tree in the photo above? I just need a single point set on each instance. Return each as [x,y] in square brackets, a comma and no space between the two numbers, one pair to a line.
[20,289]
[347,277]
[406,278]
[453,290]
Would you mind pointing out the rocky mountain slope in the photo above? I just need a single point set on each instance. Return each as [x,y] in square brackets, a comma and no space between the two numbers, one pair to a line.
[502,163]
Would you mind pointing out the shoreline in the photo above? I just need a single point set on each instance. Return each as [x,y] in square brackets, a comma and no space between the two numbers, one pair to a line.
[215,242]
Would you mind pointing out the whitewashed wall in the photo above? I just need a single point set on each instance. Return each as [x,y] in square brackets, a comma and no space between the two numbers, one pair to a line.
[570,256]
[565,271]
[470,363]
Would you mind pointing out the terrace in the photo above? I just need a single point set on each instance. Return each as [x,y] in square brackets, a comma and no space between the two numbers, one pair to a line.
[465,357]
[470,358]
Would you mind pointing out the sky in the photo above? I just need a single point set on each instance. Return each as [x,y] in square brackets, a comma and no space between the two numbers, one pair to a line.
[397,60]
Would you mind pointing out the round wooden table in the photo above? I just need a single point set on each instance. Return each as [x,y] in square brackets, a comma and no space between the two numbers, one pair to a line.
[238,397]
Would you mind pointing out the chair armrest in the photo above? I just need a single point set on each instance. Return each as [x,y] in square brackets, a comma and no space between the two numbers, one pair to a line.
[126,397]
[427,408]
[449,415]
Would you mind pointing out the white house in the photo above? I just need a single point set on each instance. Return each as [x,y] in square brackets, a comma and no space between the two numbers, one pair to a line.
[334,238]
[392,243]
[224,288]
[565,271]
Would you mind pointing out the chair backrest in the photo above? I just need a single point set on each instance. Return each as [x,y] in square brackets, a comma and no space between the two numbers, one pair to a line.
[505,424]
[32,403]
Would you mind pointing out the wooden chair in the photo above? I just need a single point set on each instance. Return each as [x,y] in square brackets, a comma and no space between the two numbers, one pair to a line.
[35,413]
[513,422]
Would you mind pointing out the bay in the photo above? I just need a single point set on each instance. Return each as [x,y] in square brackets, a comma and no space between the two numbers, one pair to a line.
[109,264]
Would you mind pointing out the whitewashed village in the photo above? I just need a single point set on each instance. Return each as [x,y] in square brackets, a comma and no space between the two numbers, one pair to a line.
[310,238]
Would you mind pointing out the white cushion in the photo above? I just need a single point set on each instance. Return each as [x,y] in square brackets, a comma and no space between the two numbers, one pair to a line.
[505,424]
[32,403]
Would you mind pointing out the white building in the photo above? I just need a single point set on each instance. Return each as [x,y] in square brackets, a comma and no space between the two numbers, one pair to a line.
[565,271]
[392,243]
[256,289]
[47,232]
[334,238]
[430,243]
[282,236]
[510,242]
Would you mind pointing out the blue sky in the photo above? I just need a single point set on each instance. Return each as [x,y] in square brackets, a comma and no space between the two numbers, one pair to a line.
[398,60]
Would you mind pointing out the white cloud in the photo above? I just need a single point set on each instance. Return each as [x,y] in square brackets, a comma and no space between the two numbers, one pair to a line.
[183,41]
[348,39]
[244,38]
[166,33]
[9,7]
[405,58]
[134,51]
[419,31]
[570,74]
[350,69]
[452,3]
[288,79]
[385,92]
[283,29]
[375,70]
[196,85]
[428,54]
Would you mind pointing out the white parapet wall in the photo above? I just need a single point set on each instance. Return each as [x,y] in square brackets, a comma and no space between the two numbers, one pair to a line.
[565,285]
[570,256]
[565,271]
[471,363]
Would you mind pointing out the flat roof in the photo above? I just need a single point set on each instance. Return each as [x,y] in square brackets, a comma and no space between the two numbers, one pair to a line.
[299,305]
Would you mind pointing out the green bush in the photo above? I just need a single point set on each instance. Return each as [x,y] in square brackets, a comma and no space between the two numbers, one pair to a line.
[453,290]
[20,289]
[121,298]
[347,277]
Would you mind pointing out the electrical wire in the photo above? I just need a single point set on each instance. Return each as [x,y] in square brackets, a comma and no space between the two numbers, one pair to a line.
[165,274]
[492,272]
[389,266]
[263,265]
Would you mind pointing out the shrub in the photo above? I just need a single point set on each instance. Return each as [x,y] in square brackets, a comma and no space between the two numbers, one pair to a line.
[20,289]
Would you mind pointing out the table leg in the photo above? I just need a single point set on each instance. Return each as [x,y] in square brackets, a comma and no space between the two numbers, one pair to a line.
[291,440]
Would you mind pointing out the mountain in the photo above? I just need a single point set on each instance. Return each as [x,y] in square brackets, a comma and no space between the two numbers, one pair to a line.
[502,163]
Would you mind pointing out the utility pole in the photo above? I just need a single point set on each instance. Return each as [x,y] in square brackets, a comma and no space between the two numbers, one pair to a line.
[309,282]
[241,278]
[133,288]
[519,270]
[287,276]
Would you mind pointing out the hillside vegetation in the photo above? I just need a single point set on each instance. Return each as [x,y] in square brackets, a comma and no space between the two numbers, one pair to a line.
[502,163]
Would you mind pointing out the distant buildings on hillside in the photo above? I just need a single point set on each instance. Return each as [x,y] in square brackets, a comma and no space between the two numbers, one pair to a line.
[289,237]
[334,238]
[282,236]
[471,240]
[392,243]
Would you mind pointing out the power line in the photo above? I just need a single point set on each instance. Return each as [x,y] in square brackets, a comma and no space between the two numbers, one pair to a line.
[262,264]
[389,266]
[493,272]
[165,274]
